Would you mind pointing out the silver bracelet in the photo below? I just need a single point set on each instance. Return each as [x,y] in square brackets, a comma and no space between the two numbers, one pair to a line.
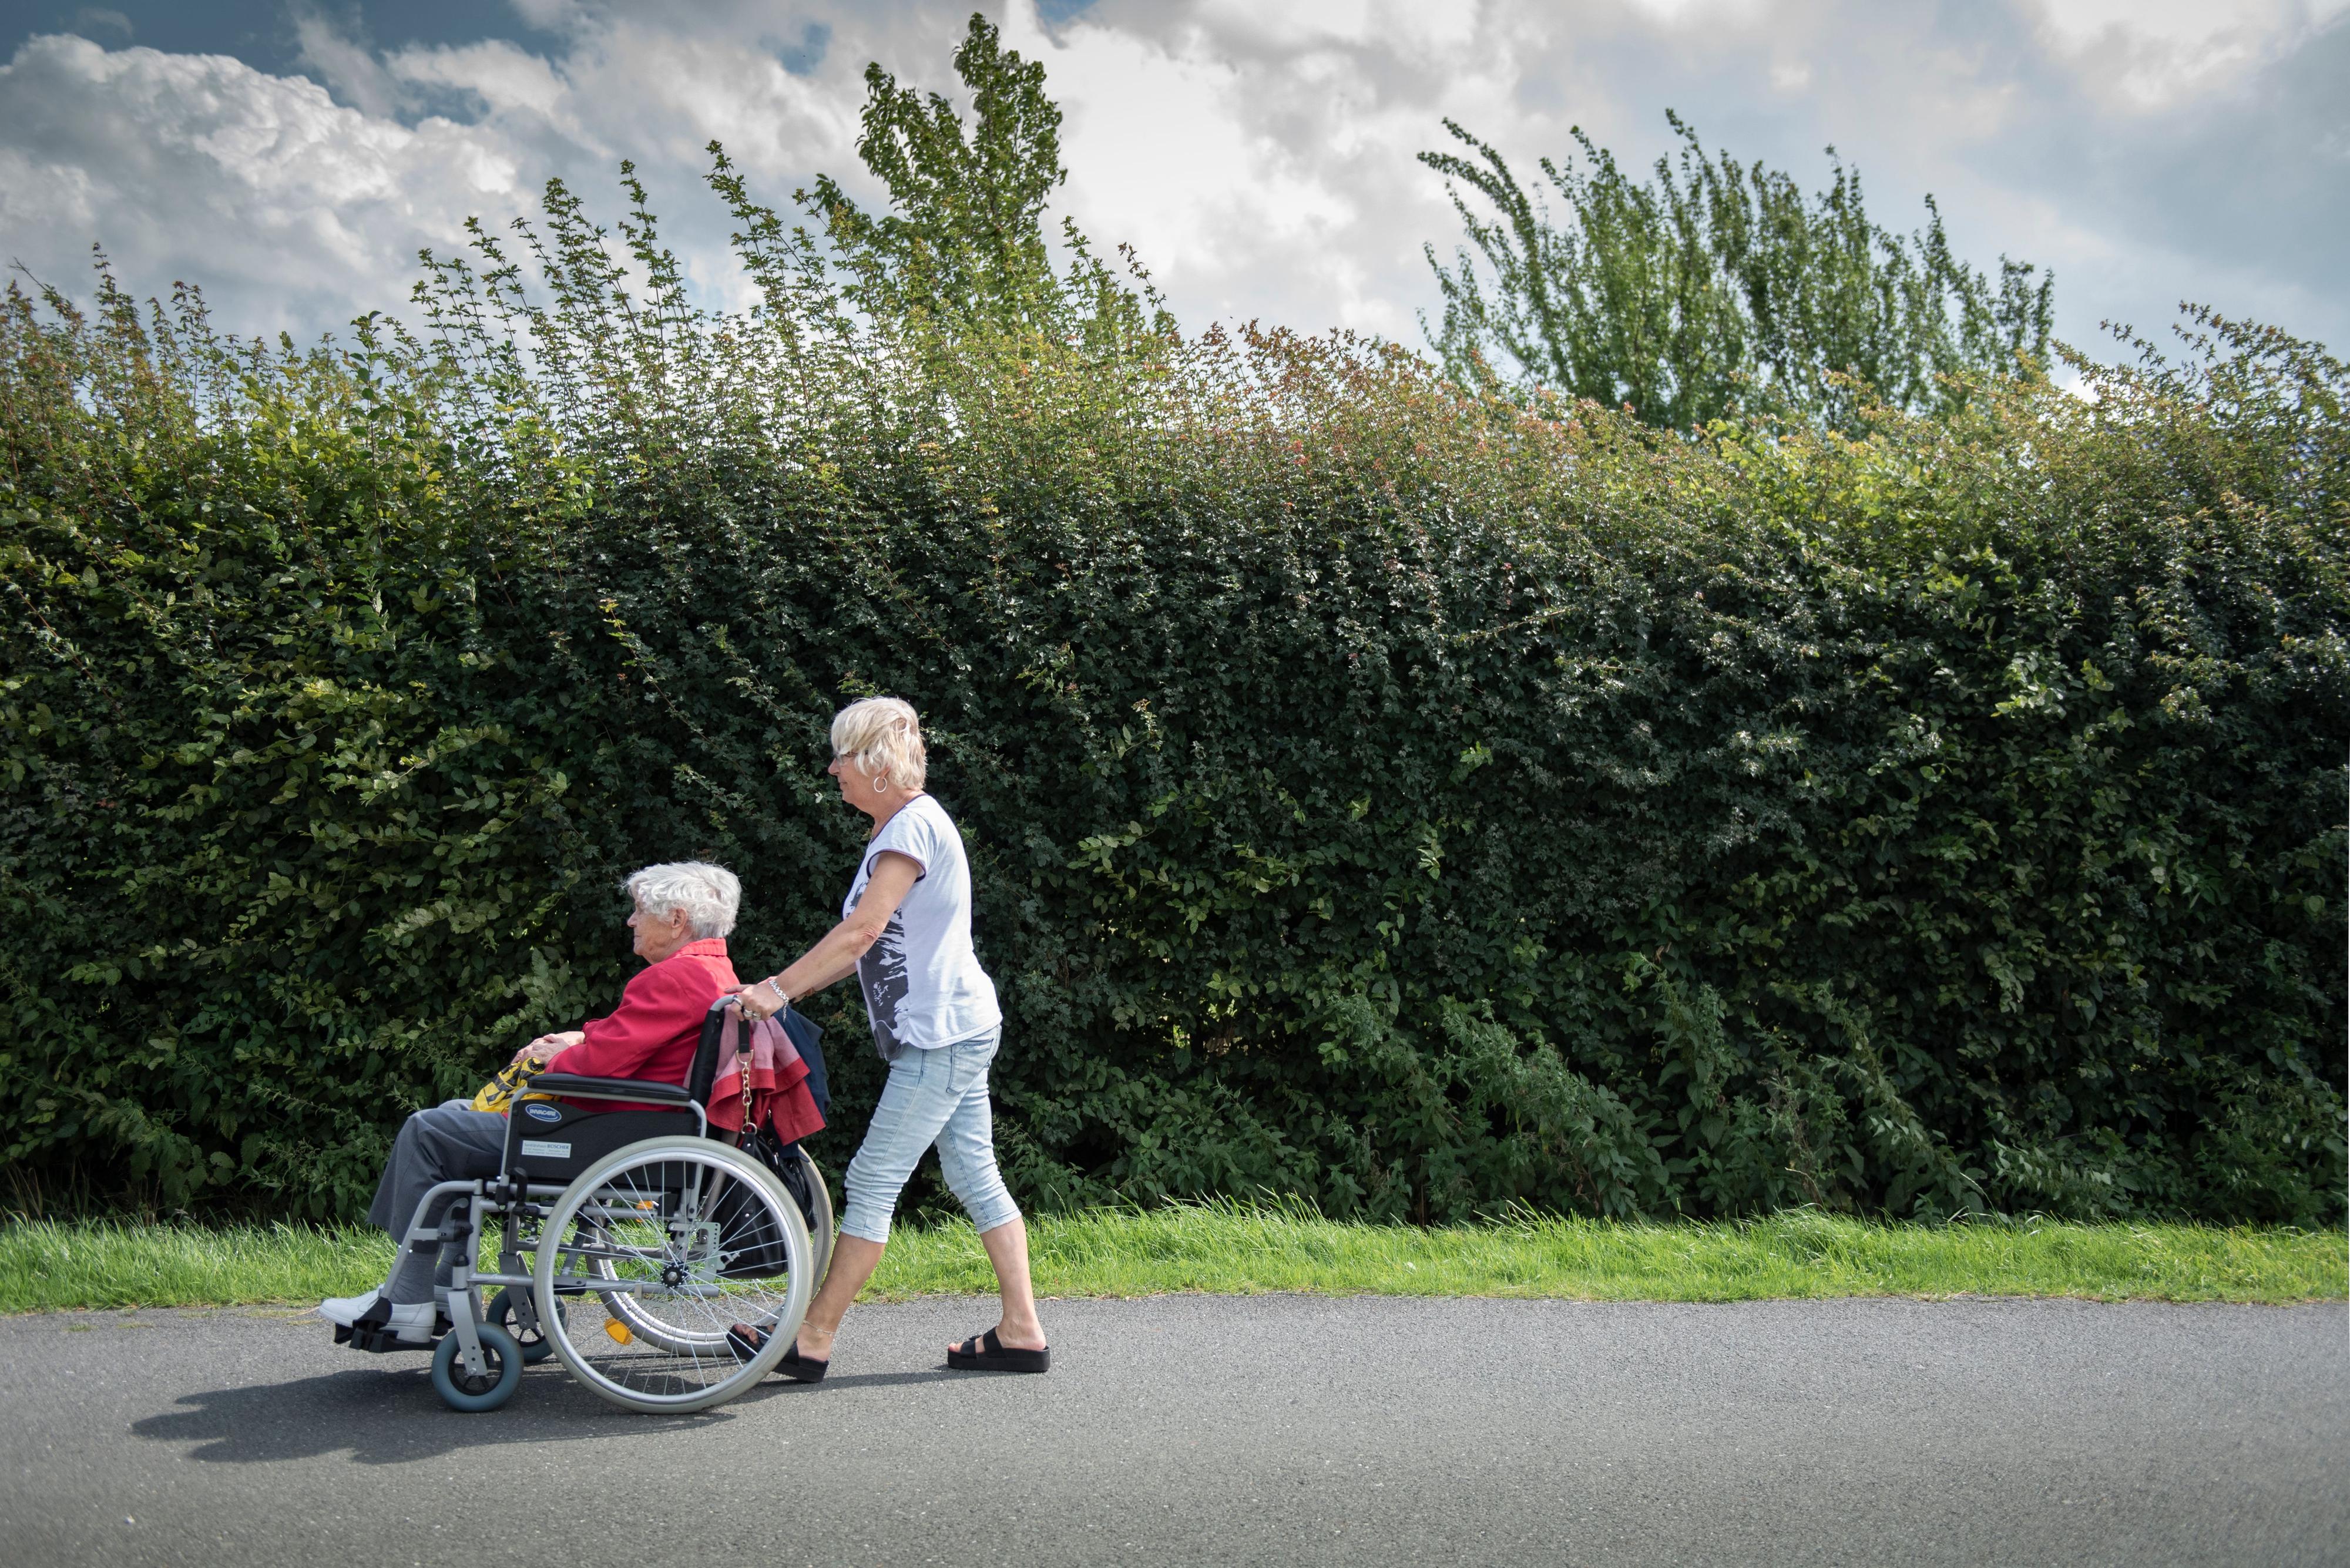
[781,1001]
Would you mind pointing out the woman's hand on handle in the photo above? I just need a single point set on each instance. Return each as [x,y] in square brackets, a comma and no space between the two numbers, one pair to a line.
[761,999]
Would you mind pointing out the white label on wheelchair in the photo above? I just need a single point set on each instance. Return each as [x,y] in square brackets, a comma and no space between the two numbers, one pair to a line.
[537,1150]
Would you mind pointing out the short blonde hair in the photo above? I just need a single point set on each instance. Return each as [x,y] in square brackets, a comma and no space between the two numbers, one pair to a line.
[882,736]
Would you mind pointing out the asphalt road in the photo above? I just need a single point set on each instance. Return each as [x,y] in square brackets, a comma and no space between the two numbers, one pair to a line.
[1201,1429]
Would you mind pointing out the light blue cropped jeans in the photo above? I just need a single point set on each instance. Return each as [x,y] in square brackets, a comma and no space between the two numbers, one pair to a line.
[936,1097]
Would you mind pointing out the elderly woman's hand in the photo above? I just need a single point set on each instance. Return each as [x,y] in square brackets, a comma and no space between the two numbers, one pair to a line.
[544,1048]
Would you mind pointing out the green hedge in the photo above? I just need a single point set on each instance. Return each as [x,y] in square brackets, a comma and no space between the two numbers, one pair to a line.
[1375,794]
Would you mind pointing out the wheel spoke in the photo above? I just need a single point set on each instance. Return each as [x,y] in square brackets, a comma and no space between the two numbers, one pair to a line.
[684,1243]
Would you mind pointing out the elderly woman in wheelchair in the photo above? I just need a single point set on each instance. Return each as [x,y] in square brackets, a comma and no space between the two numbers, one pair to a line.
[633,1225]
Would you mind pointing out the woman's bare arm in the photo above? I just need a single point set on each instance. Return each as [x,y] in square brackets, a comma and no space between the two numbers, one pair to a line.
[834,957]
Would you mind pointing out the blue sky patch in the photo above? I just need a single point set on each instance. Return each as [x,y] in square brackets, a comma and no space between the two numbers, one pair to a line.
[261,33]
[803,58]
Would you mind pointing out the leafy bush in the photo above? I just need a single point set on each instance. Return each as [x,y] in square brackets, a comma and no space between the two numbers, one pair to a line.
[1716,288]
[1376,793]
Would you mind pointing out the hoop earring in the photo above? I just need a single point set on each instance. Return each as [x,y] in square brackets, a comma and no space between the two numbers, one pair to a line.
[878,788]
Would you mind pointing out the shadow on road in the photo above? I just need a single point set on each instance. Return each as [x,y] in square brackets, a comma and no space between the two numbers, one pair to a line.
[391,1417]
[889,1379]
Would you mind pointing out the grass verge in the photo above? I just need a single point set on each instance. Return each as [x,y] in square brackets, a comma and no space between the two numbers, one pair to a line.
[1237,1249]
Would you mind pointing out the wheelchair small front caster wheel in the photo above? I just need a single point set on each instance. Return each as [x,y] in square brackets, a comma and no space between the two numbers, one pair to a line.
[535,1346]
[460,1389]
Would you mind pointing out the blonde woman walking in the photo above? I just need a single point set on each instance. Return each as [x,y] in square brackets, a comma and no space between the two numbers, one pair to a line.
[905,933]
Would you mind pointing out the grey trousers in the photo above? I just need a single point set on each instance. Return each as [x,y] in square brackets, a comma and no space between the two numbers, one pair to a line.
[447,1142]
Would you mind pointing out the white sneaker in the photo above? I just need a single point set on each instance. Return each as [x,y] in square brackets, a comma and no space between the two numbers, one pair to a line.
[344,1311]
[412,1323]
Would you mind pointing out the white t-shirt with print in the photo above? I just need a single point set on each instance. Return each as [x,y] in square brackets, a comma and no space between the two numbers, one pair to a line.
[923,985]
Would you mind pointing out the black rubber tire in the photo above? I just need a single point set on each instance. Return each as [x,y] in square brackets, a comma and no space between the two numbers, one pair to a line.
[461,1393]
[669,1321]
[535,1346]
[817,1209]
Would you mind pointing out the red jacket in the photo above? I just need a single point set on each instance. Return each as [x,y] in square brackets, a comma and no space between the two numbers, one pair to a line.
[653,1032]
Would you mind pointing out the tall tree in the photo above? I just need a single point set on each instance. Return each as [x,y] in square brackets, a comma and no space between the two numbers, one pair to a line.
[1716,287]
[963,244]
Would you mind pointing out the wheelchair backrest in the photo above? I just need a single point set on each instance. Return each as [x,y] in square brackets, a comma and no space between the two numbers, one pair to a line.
[723,1015]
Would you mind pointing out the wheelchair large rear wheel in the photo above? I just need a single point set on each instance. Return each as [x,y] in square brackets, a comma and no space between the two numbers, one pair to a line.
[815,1201]
[822,1221]
[676,1240]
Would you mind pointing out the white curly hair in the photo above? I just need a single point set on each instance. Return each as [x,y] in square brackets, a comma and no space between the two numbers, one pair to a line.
[710,896]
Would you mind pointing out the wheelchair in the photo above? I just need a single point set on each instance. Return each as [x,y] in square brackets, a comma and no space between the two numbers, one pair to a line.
[627,1243]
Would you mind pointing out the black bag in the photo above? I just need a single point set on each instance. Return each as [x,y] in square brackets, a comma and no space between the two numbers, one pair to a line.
[746,1227]
[790,1167]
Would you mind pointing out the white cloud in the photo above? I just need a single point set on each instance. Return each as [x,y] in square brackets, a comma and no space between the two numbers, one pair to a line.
[1259,158]
[1161,157]
[2153,53]
[346,64]
[292,210]
[508,79]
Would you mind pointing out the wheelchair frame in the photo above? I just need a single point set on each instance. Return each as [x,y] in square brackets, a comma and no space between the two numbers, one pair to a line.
[533,1291]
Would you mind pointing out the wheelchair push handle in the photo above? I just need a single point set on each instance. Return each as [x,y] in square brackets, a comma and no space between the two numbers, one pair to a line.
[702,1076]
[805,1036]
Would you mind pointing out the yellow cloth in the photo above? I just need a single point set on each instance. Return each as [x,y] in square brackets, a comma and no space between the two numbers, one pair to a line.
[506,1087]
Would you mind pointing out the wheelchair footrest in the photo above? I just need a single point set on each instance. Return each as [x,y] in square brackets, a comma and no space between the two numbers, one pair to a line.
[381,1337]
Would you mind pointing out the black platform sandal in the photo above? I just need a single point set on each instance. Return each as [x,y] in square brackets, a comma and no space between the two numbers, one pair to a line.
[746,1342]
[985,1353]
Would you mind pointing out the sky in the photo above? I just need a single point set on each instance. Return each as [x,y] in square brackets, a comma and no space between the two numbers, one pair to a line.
[293,157]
